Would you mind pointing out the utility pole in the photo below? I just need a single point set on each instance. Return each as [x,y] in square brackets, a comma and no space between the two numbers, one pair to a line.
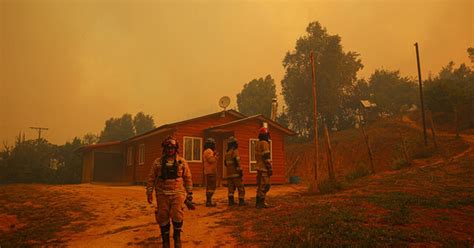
[39,131]
[421,94]
[315,119]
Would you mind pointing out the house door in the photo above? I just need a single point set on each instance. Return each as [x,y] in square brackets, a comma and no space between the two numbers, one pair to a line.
[224,150]
[107,167]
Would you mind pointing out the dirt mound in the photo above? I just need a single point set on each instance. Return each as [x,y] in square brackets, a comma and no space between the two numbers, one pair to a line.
[350,154]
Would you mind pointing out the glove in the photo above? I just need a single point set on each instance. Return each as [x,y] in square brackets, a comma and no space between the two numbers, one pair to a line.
[189,202]
[270,172]
[189,197]
[149,198]
[241,173]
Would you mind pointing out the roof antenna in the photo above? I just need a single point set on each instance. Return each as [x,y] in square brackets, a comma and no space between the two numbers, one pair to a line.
[224,103]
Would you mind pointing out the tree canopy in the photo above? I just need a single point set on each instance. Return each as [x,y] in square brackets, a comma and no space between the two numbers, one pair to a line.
[390,91]
[125,127]
[118,129]
[256,97]
[335,73]
[452,87]
[143,123]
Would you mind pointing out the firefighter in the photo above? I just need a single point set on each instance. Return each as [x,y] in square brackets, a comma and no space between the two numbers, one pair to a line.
[210,157]
[234,172]
[264,166]
[170,177]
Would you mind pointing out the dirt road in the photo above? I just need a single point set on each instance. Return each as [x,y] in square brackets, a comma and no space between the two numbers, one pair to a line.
[118,216]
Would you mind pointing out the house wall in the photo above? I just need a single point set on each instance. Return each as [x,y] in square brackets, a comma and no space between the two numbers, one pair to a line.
[88,161]
[87,166]
[242,131]
[249,130]
[139,173]
[195,129]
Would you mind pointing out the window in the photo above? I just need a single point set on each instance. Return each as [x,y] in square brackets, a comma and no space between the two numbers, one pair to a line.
[192,149]
[141,154]
[253,161]
[130,155]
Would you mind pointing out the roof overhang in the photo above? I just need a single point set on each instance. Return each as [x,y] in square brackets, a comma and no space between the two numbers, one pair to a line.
[96,146]
[263,119]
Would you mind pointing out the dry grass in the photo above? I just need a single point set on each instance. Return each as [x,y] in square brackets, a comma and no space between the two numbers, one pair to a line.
[40,215]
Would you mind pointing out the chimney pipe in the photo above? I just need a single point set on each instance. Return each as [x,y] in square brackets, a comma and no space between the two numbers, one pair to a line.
[274,109]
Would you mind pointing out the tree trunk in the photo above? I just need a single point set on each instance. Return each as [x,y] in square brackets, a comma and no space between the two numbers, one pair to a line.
[329,154]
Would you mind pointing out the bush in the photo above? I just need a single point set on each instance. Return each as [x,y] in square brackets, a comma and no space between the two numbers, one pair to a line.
[360,171]
[329,187]
[400,163]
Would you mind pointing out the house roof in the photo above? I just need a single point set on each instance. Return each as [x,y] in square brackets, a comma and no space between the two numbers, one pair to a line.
[98,145]
[171,126]
[254,117]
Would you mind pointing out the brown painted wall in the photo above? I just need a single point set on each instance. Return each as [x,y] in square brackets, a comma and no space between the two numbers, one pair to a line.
[87,166]
[88,162]
[139,173]
[195,129]
[249,130]
[243,131]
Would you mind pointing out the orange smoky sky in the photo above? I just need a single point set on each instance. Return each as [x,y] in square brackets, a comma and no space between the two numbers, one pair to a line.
[70,65]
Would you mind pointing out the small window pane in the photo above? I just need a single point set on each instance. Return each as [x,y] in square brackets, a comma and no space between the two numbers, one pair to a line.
[197,149]
[253,167]
[129,156]
[188,148]
[253,144]
[142,154]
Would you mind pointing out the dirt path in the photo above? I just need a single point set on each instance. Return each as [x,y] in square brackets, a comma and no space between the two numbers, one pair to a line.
[123,218]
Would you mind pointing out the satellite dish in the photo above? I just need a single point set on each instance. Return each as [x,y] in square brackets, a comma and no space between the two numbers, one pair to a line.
[224,102]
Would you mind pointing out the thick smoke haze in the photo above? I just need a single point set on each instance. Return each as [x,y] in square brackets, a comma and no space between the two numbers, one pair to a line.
[70,65]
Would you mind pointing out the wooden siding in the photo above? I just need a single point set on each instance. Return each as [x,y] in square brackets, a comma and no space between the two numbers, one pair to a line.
[196,129]
[87,166]
[88,162]
[152,151]
[242,131]
[249,130]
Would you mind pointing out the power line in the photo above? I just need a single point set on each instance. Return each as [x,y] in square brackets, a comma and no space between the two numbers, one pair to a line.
[39,130]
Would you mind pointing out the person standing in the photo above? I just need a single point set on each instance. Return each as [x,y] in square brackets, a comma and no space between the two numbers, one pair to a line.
[210,157]
[234,172]
[264,166]
[170,178]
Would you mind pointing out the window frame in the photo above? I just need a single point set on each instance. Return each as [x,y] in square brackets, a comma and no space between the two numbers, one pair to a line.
[250,154]
[192,149]
[130,156]
[141,154]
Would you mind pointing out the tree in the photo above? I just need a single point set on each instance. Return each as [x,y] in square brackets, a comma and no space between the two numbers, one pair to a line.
[470,52]
[390,91]
[29,162]
[335,72]
[118,129]
[70,163]
[90,138]
[452,91]
[143,123]
[450,88]
[256,97]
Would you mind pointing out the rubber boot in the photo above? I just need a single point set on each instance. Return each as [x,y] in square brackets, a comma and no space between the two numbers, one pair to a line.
[165,235]
[231,201]
[209,202]
[262,203]
[177,234]
[242,202]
